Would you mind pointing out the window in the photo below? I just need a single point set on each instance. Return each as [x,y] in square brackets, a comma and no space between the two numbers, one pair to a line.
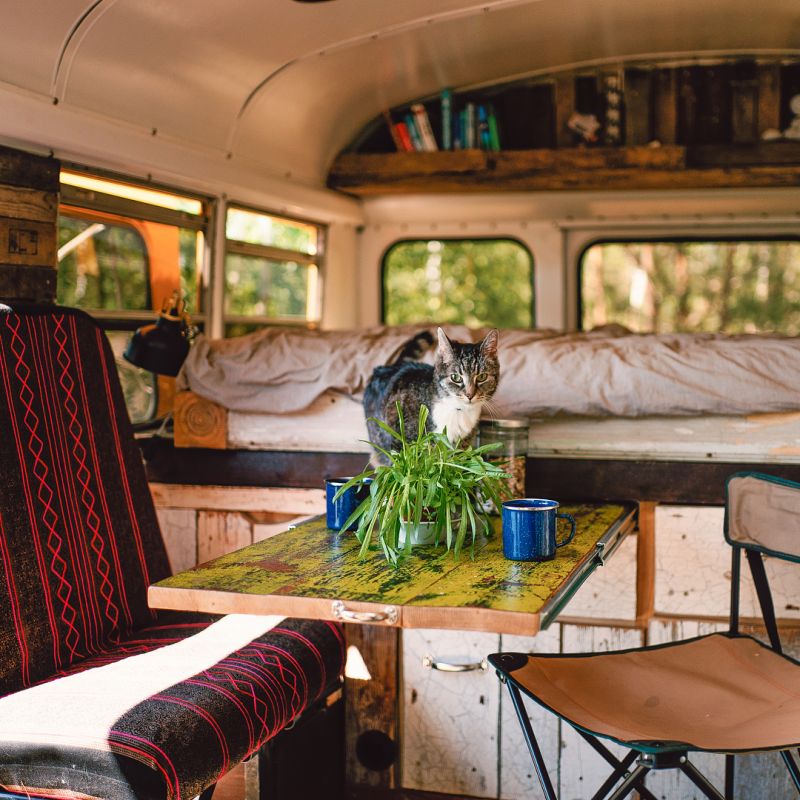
[472,282]
[272,271]
[750,286]
[123,250]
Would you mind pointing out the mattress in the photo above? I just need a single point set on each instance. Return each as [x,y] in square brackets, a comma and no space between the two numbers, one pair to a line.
[334,423]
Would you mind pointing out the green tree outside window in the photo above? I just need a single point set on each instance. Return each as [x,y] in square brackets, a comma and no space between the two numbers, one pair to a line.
[484,282]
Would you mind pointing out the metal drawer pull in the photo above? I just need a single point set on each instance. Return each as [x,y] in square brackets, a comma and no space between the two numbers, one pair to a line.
[453,666]
[340,611]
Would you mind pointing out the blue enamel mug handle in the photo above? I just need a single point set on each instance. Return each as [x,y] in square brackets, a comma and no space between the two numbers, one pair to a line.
[572,528]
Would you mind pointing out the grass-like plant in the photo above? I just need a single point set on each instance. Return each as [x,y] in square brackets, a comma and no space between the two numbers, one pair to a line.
[426,479]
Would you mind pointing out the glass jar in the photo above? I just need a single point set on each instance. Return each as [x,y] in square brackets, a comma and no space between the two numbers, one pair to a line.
[512,434]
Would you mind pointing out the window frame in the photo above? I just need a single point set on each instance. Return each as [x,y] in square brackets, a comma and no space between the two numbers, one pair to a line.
[77,199]
[674,238]
[270,253]
[412,240]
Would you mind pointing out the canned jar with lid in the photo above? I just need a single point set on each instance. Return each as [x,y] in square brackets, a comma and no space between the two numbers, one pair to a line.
[512,434]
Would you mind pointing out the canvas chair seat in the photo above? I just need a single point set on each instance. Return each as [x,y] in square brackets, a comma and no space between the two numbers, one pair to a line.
[719,693]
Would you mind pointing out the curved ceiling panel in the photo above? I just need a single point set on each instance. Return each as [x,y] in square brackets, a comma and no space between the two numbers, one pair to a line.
[31,38]
[285,85]
[187,67]
[326,100]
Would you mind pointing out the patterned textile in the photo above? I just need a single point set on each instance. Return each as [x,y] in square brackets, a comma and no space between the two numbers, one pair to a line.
[79,545]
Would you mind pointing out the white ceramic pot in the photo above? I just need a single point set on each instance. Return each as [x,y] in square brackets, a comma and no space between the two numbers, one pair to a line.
[421,534]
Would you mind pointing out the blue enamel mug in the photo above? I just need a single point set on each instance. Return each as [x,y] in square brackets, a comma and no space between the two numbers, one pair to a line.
[529,529]
[337,511]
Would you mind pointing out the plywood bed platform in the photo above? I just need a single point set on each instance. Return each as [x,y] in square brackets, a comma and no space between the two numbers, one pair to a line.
[678,459]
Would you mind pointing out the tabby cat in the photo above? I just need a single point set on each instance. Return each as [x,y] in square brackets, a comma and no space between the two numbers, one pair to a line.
[463,378]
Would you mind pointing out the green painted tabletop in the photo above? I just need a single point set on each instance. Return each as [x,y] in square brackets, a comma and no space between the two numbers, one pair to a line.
[311,571]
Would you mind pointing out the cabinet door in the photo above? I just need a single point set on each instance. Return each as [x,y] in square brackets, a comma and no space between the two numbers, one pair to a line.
[450,719]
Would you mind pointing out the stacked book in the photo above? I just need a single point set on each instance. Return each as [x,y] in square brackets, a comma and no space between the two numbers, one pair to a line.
[473,126]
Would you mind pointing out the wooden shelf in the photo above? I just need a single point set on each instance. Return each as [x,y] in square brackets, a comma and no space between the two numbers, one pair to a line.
[765,164]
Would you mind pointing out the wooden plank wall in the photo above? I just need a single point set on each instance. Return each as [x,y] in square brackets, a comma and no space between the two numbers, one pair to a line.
[28,226]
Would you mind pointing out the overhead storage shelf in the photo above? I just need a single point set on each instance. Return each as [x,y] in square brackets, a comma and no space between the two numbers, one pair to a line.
[764,164]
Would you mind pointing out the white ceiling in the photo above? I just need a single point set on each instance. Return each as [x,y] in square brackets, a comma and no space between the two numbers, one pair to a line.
[281,86]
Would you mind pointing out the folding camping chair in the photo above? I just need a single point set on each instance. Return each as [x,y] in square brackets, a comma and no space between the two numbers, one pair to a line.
[722,693]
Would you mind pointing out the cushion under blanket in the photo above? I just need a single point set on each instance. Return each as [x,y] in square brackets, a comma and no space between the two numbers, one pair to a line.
[167,711]
[608,371]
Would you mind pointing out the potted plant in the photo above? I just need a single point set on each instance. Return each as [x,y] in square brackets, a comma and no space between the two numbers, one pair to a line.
[427,480]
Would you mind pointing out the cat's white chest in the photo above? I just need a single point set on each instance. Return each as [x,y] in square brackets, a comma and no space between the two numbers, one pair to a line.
[457,416]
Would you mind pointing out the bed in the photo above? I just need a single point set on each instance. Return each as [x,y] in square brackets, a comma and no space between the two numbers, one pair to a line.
[605,396]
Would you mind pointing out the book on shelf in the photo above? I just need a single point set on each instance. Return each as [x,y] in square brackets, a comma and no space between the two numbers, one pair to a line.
[482,131]
[494,131]
[413,132]
[447,119]
[394,130]
[424,128]
[469,140]
[401,129]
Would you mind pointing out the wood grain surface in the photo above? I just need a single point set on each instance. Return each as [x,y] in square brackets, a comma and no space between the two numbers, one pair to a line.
[302,571]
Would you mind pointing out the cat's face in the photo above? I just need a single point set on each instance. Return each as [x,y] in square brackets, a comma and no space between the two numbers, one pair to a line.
[468,372]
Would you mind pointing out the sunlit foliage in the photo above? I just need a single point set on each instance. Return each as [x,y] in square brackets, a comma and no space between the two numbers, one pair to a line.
[472,282]
[712,286]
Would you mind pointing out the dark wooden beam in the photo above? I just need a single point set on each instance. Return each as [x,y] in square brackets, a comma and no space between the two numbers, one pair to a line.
[761,164]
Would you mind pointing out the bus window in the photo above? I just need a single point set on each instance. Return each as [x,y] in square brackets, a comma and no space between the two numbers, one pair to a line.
[272,271]
[745,286]
[122,250]
[475,282]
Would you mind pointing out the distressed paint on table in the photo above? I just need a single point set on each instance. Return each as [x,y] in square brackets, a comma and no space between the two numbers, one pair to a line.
[300,572]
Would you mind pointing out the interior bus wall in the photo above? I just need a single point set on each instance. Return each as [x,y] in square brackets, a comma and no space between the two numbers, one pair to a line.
[557,226]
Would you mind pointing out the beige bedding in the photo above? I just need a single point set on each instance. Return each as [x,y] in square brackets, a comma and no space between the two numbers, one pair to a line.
[607,372]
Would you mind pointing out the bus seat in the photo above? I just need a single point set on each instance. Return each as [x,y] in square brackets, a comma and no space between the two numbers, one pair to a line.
[100,697]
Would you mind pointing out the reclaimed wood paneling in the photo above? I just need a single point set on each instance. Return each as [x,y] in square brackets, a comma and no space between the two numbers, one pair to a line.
[30,171]
[769,97]
[565,107]
[371,735]
[17,202]
[665,109]
[199,422]
[638,90]
[220,532]
[239,498]
[744,103]
[263,468]
[179,529]
[443,711]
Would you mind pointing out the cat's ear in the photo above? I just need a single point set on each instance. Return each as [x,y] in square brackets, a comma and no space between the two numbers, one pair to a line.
[489,344]
[445,347]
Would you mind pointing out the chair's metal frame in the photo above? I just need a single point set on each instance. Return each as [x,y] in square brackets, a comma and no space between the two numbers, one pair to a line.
[653,757]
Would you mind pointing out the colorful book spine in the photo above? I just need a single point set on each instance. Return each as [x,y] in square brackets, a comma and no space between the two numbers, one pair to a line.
[469,126]
[494,132]
[401,129]
[447,119]
[483,129]
[461,122]
[393,131]
[424,127]
[416,139]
